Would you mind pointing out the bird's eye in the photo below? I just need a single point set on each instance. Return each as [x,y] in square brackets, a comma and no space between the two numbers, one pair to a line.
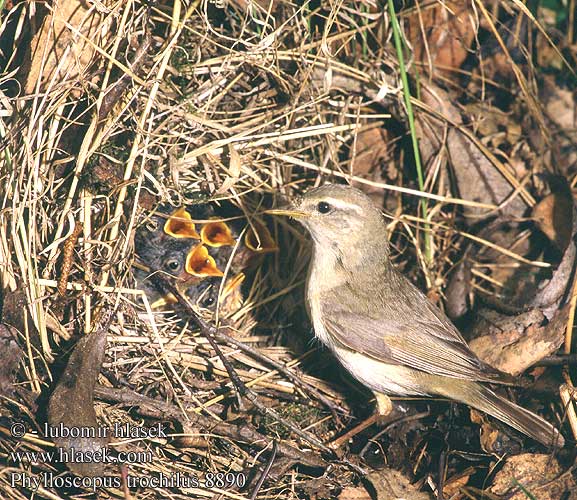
[208,301]
[172,265]
[323,207]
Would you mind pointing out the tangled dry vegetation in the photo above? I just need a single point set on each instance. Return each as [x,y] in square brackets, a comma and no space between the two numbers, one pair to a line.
[115,114]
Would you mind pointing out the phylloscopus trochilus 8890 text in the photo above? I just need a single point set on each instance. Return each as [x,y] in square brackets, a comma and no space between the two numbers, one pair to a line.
[383,329]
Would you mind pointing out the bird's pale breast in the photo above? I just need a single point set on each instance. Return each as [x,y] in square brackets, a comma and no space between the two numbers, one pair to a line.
[376,375]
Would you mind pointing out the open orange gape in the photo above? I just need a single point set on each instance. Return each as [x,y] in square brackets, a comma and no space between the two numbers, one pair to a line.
[217,234]
[197,248]
[180,225]
[200,263]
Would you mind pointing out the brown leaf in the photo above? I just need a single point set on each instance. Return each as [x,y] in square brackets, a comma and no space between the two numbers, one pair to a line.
[551,292]
[453,485]
[553,216]
[369,151]
[15,308]
[72,402]
[493,441]
[390,484]
[458,290]
[63,49]
[477,178]
[513,344]
[538,474]
[494,124]
[354,493]
[370,160]
[441,36]
[192,437]
[11,355]
[495,63]
[560,104]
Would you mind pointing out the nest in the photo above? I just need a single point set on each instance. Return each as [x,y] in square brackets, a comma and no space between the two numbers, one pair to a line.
[141,145]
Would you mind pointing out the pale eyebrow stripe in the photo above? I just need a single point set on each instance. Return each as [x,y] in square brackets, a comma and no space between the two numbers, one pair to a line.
[343,204]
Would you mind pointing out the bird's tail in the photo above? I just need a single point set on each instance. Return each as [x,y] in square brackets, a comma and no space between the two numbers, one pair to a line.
[484,399]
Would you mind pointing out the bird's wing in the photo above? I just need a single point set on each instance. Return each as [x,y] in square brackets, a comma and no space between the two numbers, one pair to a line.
[423,339]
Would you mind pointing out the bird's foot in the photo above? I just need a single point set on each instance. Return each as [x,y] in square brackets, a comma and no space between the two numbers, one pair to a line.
[386,411]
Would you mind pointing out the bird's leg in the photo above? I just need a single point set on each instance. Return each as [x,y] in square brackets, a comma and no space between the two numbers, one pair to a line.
[384,404]
[386,412]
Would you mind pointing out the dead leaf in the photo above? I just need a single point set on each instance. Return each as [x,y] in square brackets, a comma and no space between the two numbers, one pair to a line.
[354,493]
[441,35]
[560,104]
[476,177]
[552,292]
[443,136]
[552,216]
[458,290]
[369,151]
[489,437]
[514,343]
[493,124]
[318,489]
[493,441]
[538,474]
[495,64]
[454,484]
[390,484]
[370,160]
[15,308]
[63,49]
[192,437]
[72,402]
[11,356]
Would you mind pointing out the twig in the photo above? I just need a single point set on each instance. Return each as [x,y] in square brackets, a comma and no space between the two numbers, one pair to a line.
[124,477]
[559,359]
[117,89]
[223,337]
[566,392]
[149,407]
[210,332]
[338,442]
[408,418]
[442,470]
[265,472]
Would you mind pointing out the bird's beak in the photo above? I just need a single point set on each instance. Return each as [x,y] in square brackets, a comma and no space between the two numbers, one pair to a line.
[289,212]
